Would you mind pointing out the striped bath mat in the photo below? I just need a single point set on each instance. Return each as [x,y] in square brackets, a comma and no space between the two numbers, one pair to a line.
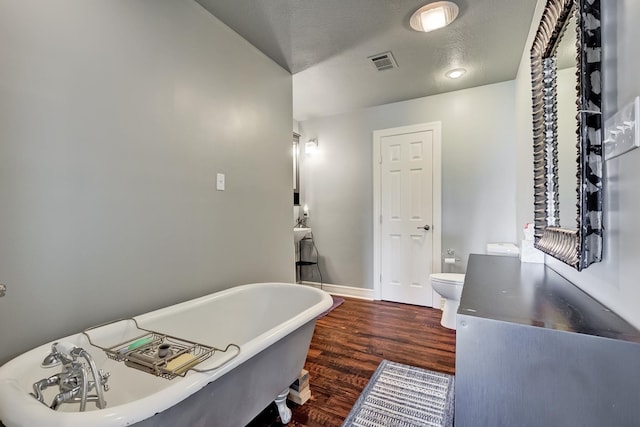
[401,395]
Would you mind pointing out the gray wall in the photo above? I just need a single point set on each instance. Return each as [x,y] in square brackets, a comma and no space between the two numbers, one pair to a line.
[524,132]
[478,164]
[614,282]
[115,117]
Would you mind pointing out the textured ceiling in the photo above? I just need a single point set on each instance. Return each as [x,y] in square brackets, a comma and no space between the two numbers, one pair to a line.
[325,45]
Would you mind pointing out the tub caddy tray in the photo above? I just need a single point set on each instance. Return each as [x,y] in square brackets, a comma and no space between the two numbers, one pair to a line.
[159,354]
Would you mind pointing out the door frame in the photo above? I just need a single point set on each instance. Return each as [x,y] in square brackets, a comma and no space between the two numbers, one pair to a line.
[436,227]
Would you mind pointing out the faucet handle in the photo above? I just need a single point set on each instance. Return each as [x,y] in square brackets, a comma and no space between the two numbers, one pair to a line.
[104,377]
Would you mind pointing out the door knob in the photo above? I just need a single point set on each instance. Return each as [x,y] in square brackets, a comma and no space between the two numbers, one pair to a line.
[425,228]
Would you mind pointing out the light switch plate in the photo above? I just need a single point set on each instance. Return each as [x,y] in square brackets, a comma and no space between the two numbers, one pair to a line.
[622,131]
[220,182]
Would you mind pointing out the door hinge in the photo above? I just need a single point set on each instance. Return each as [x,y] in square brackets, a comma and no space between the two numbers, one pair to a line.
[380,219]
[380,278]
[380,161]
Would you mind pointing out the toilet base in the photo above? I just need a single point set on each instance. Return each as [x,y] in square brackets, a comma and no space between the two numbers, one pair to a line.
[449,312]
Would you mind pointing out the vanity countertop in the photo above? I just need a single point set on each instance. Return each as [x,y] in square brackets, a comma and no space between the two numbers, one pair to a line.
[504,289]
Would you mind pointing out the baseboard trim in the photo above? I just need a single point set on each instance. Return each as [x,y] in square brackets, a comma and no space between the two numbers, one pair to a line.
[344,291]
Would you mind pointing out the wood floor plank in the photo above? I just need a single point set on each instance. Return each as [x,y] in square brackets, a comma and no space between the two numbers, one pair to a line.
[348,345]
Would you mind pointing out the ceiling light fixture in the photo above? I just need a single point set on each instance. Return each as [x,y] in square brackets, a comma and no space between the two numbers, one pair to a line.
[456,73]
[433,16]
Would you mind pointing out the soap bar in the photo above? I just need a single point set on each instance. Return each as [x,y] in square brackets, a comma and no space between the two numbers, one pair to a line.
[139,343]
[188,360]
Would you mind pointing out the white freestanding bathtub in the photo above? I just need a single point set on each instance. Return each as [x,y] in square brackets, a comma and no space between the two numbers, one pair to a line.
[272,323]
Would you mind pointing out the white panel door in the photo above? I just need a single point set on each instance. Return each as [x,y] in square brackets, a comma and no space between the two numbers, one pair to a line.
[406,217]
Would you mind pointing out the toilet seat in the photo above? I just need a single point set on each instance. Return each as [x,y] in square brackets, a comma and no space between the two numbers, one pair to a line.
[452,278]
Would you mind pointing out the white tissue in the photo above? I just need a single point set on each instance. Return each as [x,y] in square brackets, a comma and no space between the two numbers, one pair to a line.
[528,232]
[528,253]
[449,260]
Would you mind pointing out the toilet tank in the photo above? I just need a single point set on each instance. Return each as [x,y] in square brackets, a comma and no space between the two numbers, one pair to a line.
[503,249]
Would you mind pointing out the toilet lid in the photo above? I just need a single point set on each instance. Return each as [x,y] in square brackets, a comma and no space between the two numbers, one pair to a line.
[456,278]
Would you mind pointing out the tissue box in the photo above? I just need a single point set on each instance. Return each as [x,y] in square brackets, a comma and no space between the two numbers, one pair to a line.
[528,253]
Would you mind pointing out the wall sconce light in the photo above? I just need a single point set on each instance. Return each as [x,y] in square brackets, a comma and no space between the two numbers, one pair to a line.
[311,147]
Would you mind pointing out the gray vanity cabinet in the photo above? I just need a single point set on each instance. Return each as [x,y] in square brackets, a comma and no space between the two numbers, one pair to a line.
[532,349]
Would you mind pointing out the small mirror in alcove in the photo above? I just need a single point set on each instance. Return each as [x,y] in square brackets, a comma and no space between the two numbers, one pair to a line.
[296,169]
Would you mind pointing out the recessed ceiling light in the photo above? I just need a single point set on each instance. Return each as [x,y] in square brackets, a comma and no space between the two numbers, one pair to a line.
[456,73]
[433,16]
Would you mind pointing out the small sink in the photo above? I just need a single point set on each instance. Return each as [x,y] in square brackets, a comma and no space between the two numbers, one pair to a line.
[299,233]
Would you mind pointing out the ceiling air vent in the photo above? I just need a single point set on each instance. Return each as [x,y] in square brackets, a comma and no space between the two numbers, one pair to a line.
[383,61]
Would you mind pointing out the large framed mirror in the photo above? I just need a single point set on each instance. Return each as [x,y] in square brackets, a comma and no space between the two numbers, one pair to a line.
[566,85]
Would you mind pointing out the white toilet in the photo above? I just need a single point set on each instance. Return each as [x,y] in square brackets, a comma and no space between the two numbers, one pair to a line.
[449,285]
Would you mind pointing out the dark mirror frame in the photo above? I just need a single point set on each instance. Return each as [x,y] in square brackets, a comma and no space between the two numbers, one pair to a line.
[582,246]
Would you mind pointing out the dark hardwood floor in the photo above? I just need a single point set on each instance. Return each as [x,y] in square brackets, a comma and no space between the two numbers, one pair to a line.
[349,344]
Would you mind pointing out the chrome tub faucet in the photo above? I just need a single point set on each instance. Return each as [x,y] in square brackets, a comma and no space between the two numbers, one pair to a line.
[78,378]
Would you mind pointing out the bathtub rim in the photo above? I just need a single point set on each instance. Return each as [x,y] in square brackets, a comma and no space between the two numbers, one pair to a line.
[12,396]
